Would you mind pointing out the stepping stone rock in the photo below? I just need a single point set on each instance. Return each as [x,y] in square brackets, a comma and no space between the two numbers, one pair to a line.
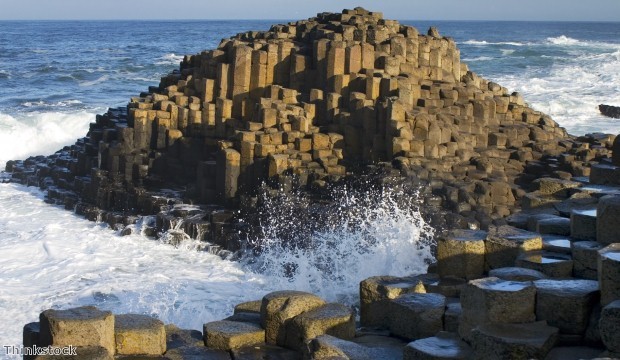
[492,300]
[333,319]
[280,306]
[607,215]
[513,341]
[609,326]
[554,187]
[443,346]
[583,224]
[265,351]
[83,326]
[517,274]
[176,337]
[81,352]
[139,335]
[448,286]
[249,307]
[585,259]
[556,225]
[554,265]
[376,291]
[452,316]
[573,353]
[194,353]
[566,304]
[609,273]
[557,243]
[328,347]
[460,253]
[505,243]
[228,335]
[416,316]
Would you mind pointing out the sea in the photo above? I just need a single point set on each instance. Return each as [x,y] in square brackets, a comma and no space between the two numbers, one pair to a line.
[55,76]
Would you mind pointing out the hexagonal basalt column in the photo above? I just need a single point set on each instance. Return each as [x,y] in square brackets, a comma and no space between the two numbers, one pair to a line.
[332,319]
[460,253]
[513,341]
[443,346]
[84,326]
[554,265]
[566,304]
[279,307]
[376,291]
[416,316]
[492,300]
[583,224]
[609,273]
[609,326]
[505,243]
[585,259]
[607,224]
[228,335]
[139,335]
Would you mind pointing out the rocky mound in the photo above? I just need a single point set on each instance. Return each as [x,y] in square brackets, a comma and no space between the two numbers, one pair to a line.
[305,105]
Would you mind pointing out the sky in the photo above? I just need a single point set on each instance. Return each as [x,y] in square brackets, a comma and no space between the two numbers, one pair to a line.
[535,10]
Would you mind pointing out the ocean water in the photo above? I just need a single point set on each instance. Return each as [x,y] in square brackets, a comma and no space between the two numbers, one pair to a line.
[56,75]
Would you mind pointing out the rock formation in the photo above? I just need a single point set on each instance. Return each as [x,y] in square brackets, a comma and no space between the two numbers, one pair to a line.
[609,111]
[303,105]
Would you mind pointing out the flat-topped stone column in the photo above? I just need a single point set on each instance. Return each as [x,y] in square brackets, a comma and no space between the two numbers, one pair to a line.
[609,273]
[566,304]
[416,316]
[583,224]
[442,346]
[607,215]
[609,326]
[492,300]
[513,341]
[460,253]
[585,259]
[505,243]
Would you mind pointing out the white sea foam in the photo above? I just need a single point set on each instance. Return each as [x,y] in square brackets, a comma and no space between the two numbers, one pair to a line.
[99,80]
[39,133]
[42,103]
[479,58]
[169,59]
[61,261]
[507,52]
[484,43]
[563,40]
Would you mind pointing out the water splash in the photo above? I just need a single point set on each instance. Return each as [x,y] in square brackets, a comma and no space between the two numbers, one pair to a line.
[358,235]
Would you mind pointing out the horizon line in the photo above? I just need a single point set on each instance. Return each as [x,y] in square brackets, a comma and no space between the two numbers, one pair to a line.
[291,20]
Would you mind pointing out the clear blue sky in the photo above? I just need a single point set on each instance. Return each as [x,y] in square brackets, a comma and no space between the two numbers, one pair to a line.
[573,10]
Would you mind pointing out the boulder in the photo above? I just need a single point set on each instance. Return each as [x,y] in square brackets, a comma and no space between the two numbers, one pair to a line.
[84,326]
[332,319]
[248,307]
[279,307]
[609,326]
[610,111]
[460,253]
[492,300]
[139,335]
[228,335]
[609,273]
[566,304]
[416,316]
[513,341]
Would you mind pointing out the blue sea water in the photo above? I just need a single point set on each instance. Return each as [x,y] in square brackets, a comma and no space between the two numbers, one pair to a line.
[56,75]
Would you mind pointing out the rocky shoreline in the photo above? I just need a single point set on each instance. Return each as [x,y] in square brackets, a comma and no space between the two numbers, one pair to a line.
[527,260]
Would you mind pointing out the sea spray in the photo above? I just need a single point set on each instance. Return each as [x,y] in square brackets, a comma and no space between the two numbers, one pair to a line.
[327,248]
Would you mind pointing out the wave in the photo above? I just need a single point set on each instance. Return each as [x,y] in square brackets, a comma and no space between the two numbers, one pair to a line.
[507,52]
[99,80]
[169,59]
[42,103]
[39,133]
[562,40]
[480,58]
[5,74]
[484,42]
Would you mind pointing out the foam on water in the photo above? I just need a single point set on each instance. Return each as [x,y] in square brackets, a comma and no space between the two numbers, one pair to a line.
[53,259]
[34,133]
[169,59]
